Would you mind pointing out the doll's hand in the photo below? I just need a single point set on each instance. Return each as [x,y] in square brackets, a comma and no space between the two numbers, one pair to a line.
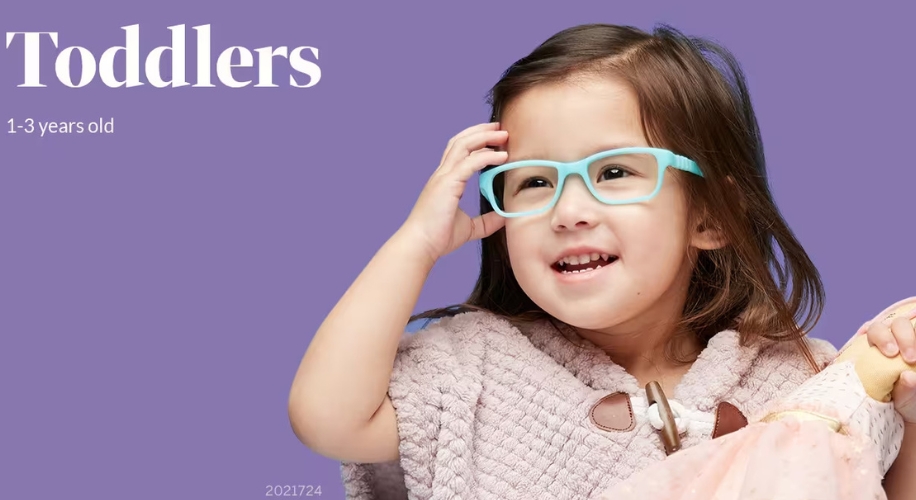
[898,338]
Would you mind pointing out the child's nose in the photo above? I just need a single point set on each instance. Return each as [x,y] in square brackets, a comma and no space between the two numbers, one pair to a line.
[576,207]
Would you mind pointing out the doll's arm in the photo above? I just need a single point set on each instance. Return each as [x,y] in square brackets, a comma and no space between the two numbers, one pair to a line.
[877,372]
[853,394]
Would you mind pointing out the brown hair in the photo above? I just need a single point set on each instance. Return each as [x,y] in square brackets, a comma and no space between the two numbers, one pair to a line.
[694,101]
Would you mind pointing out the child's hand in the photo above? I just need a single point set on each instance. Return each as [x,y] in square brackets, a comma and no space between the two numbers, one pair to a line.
[898,338]
[436,220]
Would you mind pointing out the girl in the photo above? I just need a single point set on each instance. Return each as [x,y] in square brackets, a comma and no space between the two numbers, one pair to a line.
[626,305]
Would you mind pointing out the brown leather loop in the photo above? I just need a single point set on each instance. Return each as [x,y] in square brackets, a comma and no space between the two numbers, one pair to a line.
[670,436]
[613,412]
[728,419]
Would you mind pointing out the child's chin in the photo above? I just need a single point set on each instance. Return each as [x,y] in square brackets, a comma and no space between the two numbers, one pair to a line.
[590,317]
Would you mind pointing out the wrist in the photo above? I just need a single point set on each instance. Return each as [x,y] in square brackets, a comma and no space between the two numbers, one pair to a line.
[408,246]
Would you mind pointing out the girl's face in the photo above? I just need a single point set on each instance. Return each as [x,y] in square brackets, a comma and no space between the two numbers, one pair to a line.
[648,279]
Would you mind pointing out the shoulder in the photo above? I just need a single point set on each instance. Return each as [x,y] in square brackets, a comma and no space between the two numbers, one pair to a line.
[459,329]
[782,366]
[463,338]
[788,354]
[777,369]
[824,351]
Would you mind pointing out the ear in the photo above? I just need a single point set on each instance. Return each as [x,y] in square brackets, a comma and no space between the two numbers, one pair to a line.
[707,235]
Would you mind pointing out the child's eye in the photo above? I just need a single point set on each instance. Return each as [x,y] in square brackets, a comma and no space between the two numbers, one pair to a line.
[612,172]
[533,183]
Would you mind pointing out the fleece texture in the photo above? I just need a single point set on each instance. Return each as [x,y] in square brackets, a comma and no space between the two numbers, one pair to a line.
[491,409]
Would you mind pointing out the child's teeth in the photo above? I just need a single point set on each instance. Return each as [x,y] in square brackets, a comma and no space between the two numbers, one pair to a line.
[584,259]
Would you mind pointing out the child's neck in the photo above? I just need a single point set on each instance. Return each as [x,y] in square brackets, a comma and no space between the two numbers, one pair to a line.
[648,356]
[668,375]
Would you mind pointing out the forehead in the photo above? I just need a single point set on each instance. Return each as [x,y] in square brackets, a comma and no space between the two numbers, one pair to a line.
[571,120]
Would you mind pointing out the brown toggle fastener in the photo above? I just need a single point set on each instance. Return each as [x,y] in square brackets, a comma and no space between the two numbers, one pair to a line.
[670,437]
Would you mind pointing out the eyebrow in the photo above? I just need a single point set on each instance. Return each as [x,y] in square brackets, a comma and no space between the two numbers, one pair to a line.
[606,147]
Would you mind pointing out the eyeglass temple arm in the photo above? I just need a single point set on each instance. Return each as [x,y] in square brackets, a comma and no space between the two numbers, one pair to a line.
[687,164]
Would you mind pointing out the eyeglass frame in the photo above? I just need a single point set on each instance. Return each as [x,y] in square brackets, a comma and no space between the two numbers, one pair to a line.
[664,158]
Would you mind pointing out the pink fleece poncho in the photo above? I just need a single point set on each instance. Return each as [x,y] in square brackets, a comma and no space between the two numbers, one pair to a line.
[487,409]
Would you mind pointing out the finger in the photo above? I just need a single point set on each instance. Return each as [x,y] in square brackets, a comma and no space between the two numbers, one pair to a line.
[454,181]
[474,143]
[466,132]
[467,145]
[491,154]
[485,225]
[477,161]
[472,163]
[454,149]
[880,335]
[905,337]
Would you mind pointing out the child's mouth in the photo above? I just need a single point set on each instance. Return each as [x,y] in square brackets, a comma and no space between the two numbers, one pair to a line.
[583,264]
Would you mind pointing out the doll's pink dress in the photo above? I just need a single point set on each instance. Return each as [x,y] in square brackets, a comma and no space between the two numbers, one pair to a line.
[829,441]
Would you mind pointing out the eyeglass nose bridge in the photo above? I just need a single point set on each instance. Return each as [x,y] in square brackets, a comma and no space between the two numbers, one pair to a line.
[566,170]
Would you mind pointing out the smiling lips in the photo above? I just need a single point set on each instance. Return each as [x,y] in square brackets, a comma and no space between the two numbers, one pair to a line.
[575,264]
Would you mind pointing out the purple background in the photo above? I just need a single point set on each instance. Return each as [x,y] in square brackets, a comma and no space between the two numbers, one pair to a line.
[160,285]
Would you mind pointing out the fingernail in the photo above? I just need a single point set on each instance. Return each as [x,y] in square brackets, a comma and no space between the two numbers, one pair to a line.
[910,355]
[890,349]
[909,377]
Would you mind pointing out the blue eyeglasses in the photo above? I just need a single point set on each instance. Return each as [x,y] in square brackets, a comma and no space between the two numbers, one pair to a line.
[614,177]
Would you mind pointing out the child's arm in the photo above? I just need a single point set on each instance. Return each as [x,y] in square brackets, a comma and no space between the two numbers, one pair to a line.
[900,481]
[338,403]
